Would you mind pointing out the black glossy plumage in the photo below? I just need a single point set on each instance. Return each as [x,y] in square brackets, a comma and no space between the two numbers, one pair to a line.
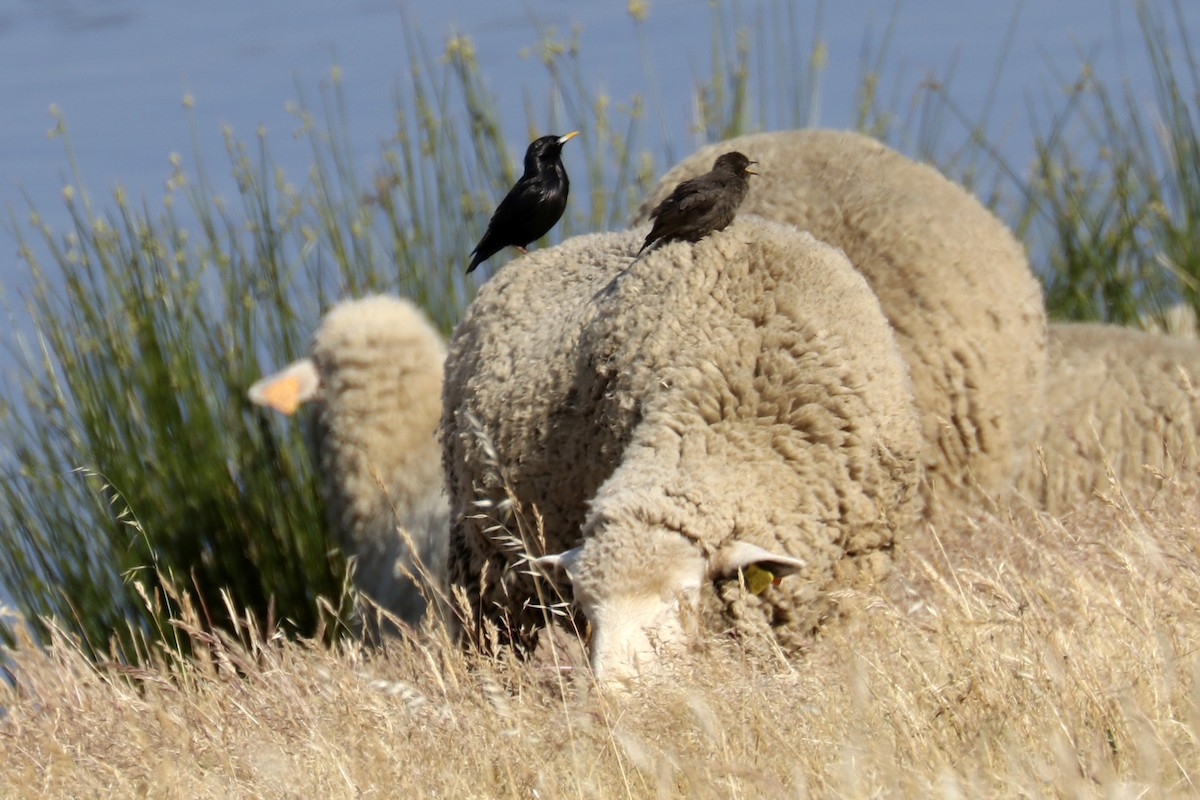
[704,204]
[533,206]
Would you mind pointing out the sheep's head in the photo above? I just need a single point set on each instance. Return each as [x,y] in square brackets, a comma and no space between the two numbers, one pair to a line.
[641,595]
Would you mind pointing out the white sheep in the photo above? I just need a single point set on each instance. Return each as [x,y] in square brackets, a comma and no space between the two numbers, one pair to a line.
[375,375]
[951,279]
[1177,319]
[721,415]
[1116,399]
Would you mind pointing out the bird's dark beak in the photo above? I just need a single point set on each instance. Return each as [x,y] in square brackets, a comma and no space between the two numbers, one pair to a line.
[566,137]
[749,171]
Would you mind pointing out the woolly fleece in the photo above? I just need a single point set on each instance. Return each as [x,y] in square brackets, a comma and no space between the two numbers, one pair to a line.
[1117,397]
[951,279]
[746,387]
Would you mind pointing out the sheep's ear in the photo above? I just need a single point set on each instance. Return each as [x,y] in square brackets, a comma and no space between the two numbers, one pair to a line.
[760,568]
[558,564]
[287,389]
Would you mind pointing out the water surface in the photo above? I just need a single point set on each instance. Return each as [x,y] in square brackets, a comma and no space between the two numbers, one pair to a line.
[119,69]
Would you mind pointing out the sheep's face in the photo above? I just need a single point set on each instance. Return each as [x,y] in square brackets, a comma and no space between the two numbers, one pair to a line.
[643,600]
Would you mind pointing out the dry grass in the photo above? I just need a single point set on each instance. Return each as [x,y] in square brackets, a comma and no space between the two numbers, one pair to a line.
[1011,655]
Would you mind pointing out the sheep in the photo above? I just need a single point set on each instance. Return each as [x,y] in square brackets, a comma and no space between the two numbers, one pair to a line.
[951,279]
[721,414]
[1177,319]
[375,374]
[1117,399]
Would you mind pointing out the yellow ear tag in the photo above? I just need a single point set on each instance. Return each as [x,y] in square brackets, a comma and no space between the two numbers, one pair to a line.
[758,579]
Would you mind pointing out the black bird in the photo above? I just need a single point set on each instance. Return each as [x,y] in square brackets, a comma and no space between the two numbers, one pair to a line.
[704,204]
[533,205]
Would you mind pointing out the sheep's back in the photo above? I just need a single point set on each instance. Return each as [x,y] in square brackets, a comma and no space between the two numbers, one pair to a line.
[952,280]
[1117,400]
[768,330]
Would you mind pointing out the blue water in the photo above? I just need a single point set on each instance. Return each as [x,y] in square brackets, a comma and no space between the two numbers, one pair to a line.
[119,70]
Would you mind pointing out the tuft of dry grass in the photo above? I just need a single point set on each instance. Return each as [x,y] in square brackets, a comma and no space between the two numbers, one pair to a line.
[1010,654]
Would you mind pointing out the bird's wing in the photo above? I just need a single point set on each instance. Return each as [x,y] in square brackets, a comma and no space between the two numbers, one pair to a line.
[686,195]
[520,193]
[505,214]
[691,199]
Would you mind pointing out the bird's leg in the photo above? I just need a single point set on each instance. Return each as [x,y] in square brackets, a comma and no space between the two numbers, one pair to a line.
[521,250]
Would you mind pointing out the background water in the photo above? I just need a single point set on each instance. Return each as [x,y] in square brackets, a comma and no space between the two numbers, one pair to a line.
[119,70]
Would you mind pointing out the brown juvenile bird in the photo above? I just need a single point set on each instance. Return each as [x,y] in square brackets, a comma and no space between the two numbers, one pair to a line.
[533,206]
[704,204]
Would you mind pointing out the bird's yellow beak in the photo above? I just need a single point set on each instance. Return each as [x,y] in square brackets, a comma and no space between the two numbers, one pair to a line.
[566,137]
[749,171]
